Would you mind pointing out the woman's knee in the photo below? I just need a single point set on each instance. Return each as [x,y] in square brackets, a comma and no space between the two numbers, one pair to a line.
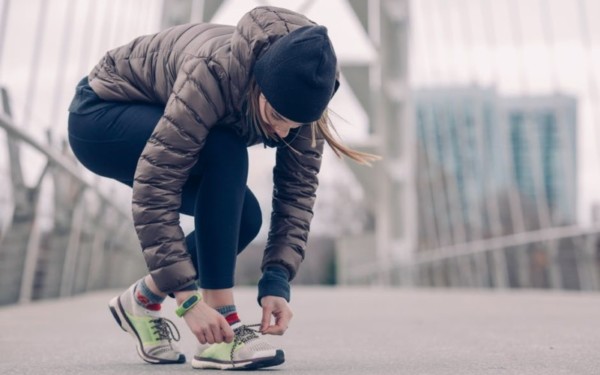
[251,222]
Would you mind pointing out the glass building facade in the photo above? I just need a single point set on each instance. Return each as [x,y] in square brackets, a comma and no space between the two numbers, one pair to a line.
[489,166]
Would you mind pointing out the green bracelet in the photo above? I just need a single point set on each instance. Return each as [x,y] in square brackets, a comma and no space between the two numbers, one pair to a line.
[190,302]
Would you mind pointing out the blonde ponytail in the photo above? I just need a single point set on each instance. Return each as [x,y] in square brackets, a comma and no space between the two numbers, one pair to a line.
[322,125]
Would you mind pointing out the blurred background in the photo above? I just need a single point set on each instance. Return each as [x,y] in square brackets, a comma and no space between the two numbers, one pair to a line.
[486,113]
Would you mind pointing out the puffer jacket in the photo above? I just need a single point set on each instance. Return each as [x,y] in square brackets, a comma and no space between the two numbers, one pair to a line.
[201,73]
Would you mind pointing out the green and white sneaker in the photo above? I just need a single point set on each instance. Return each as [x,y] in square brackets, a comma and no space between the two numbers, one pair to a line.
[153,334]
[248,351]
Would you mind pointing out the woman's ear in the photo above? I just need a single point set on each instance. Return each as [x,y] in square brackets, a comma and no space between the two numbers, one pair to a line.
[262,107]
[336,87]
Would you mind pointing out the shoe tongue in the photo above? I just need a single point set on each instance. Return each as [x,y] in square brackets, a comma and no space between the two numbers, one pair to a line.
[236,325]
[151,313]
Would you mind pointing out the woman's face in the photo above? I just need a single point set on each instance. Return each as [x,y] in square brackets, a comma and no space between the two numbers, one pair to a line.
[277,124]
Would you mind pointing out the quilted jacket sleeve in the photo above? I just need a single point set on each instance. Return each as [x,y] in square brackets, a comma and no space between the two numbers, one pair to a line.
[163,168]
[294,191]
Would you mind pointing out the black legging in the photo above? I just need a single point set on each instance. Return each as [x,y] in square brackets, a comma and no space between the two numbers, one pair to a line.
[109,141]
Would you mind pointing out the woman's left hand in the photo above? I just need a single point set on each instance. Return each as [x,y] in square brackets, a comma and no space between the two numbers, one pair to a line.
[279,308]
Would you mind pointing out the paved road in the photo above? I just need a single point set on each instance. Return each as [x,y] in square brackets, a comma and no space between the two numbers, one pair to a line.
[337,331]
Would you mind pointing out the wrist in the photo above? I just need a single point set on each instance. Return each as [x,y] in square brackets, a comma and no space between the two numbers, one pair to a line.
[274,282]
[188,303]
[182,295]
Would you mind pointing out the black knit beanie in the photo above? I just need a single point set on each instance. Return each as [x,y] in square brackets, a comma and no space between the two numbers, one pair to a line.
[297,74]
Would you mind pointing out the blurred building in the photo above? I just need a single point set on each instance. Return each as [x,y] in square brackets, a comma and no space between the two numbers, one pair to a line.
[543,143]
[489,166]
[453,126]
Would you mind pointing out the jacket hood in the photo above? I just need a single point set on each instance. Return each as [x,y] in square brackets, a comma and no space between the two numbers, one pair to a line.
[254,34]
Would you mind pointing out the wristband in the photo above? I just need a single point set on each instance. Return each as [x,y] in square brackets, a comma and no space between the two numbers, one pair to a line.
[190,302]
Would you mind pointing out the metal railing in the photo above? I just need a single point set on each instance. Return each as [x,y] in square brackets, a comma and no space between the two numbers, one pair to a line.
[557,258]
[61,233]
[90,244]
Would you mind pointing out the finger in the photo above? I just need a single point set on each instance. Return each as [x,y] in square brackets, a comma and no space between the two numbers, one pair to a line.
[209,336]
[227,332]
[216,331]
[266,318]
[282,321]
[200,336]
[274,330]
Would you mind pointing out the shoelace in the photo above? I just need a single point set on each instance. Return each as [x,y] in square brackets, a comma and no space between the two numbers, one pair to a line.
[243,334]
[162,327]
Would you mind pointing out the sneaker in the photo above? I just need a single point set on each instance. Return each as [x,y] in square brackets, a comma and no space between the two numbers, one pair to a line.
[247,351]
[154,335]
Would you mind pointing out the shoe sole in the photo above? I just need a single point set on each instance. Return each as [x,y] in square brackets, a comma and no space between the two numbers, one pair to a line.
[253,364]
[117,311]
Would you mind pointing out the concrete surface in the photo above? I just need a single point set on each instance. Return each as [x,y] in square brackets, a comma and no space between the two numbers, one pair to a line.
[336,331]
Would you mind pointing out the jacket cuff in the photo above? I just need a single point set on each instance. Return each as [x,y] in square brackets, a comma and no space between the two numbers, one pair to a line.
[274,282]
[282,256]
[174,277]
[190,287]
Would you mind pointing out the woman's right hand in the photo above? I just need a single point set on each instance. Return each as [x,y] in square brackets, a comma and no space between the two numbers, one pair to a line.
[205,322]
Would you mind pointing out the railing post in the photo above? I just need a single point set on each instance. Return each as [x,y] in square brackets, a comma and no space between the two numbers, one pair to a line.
[66,195]
[522,256]
[554,272]
[73,249]
[91,225]
[500,266]
[482,270]
[99,238]
[588,261]
[14,244]
[33,250]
